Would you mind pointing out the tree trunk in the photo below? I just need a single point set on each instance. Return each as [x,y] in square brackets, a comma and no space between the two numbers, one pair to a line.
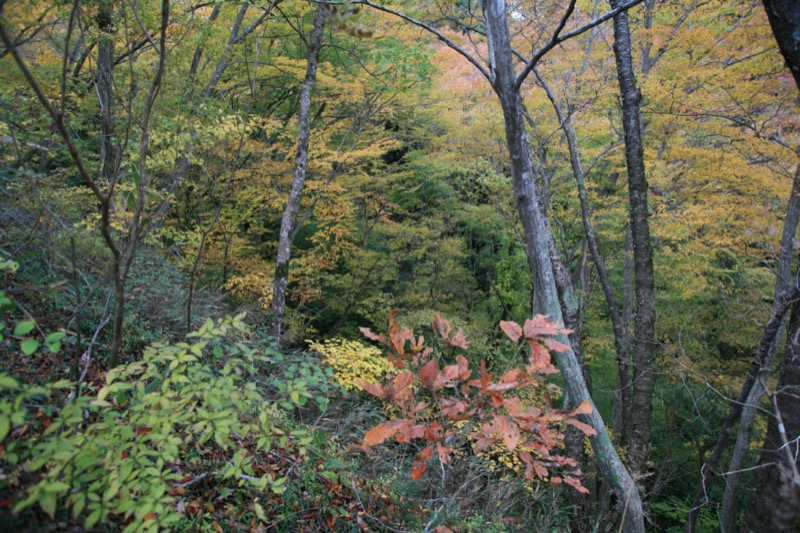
[775,501]
[784,17]
[538,233]
[782,283]
[767,338]
[643,345]
[301,160]
[109,160]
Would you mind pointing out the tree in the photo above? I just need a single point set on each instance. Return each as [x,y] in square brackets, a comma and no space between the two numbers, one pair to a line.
[501,74]
[643,344]
[113,205]
[301,160]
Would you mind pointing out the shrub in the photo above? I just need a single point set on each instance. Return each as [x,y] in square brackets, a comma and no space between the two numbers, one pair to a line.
[127,452]
[353,362]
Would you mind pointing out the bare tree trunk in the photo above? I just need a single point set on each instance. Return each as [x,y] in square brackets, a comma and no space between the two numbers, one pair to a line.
[301,160]
[109,161]
[643,346]
[538,233]
[623,388]
[784,17]
[775,500]
[771,330]
[782,284]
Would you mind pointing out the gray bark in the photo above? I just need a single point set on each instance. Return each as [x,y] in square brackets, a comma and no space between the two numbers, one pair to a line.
[643,345]
[783,282]
[301,160]
[538,234]
[775,499]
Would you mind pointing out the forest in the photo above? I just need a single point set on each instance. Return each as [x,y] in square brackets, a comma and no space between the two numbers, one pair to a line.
[413,266]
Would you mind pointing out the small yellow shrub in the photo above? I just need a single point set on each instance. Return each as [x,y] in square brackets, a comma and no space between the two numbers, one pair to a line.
[352,361]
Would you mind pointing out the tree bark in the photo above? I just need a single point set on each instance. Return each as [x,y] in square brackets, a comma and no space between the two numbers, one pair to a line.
[782,283]
[775,501]
[301,160]
[784,17]
[643,345]
[771,330]
[538,233]
[109,160]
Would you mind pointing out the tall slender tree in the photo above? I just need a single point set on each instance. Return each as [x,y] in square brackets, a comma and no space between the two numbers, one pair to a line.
[289,219]
[643,344]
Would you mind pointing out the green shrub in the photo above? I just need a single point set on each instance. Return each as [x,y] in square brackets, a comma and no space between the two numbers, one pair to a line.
[118,455]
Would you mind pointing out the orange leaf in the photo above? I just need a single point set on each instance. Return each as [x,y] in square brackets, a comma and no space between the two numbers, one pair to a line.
[441,326]
[383,431]
[459,340]
[442,529]
[464,373]
[585,408]
[428,375]
[372,388]
[585,428]
[555,345]
[373,336]
[511,329]
[576,484]
[216,526]
[540,357]
[419,465]
[410,433]
[444,453]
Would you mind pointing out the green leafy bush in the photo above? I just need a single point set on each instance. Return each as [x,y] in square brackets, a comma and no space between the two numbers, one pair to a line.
[121,455]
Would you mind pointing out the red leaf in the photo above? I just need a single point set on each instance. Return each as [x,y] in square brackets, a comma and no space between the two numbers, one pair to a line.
[556,481]
[372,388]
[575,483]
[540,357]
[511,329]
[585,428]
[464,373]
[418,466]
[428,375]
[585,408]
[410,433]
[444,453]
[555,345]
[459,340]
[373,336]
[441,326]
[384,431]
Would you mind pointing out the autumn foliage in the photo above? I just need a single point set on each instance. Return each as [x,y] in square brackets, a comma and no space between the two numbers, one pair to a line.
[431,399]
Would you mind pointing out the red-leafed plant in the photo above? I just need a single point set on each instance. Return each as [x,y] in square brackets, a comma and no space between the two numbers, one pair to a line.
[432,399]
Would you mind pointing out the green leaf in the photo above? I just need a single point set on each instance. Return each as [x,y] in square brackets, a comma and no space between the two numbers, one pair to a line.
[5,427]
[48,503]
[55,337]
[8,383]
[259,512]
[24,327]
[29,346]
[93,518]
